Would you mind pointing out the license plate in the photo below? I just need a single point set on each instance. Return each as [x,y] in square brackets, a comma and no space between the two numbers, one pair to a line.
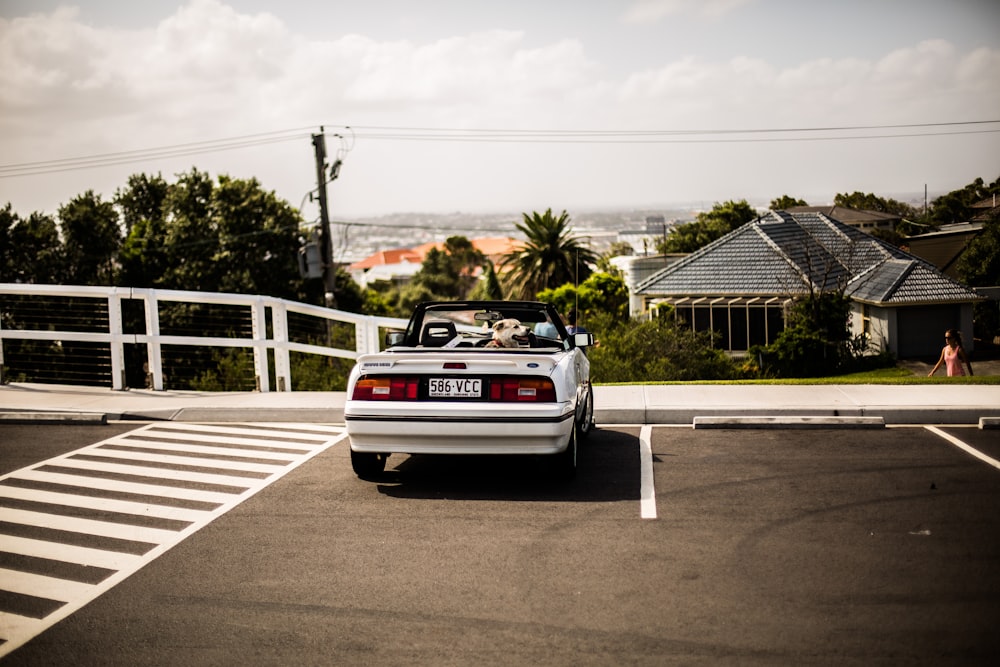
[455,388]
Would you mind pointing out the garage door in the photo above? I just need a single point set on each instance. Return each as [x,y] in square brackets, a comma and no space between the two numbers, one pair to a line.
[920,331]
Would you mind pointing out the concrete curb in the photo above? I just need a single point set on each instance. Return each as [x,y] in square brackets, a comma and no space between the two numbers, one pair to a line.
[53,418]
[785,421]
[305,415]
[678,405]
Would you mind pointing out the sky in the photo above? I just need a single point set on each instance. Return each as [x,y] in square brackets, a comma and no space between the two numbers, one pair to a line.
[444,106]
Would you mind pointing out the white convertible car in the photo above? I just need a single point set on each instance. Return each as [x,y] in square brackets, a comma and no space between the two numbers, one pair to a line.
[442,387]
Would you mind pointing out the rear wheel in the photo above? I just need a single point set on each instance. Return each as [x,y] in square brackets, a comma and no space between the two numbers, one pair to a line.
[565,461]
[585,424]
[368,465]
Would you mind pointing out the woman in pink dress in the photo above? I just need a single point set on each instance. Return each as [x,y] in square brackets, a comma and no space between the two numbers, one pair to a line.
[952,355]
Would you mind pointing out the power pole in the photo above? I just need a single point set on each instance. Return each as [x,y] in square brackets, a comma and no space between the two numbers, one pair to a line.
[325,237]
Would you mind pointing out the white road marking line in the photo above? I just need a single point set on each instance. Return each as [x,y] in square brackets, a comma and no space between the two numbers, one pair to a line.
[647,494]
[964,447]
[17,629]
[70,553]
[159,473]
[102,504]
[187,460]
[126,487]
[284,457]
[138,437]
[120,531]
[317,432]
[38,585]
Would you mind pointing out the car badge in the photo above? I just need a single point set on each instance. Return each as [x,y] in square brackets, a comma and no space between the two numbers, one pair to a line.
[532,365]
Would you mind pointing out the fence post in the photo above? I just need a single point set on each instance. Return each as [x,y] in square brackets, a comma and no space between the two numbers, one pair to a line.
[1,352]
[366,335]
[258,317]
[154,358]
[282,366]
[116,330]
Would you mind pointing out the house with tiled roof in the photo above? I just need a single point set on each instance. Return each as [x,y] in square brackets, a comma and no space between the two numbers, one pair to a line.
[945,246]
[400,264]
[494,248]
[395,265]
[986,209]
[866,221]
[742,285]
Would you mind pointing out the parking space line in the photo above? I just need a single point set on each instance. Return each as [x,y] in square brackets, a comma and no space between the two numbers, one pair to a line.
[964,447]
[647,494]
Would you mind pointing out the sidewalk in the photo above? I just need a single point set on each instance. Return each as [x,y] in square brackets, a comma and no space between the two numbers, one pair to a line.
[632,404]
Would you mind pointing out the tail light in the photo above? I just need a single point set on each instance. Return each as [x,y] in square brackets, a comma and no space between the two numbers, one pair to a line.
[501,389]
[395,388]
[538,390]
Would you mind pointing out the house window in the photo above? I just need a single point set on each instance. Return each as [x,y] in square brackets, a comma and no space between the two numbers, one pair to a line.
[739,329]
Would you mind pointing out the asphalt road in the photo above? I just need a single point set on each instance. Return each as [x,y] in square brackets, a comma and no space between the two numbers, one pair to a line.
[769,547]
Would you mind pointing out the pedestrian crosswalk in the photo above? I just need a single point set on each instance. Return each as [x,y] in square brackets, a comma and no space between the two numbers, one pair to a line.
[74,526]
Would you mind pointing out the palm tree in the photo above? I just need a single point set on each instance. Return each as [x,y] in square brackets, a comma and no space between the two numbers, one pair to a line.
[550,257]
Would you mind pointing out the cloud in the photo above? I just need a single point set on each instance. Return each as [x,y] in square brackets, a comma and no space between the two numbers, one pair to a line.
[929,82]
[209,65]
[651,11]
[209,72]
[486,68]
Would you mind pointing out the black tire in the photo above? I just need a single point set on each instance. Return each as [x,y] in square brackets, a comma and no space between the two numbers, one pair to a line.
[585,424]
[368,465]
[564,463]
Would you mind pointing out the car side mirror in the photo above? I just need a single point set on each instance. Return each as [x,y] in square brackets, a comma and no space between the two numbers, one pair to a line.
[583,339]
[394,338]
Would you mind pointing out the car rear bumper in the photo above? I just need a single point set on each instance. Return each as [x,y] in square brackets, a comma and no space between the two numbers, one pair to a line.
[437,428]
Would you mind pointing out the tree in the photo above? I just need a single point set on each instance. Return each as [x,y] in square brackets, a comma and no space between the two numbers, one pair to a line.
[869,202]
[448,273]
[143,256]
[657,350]
[956,206]
[616,249]
[488,288]
[707,227]
[91,240]
[257,239]
[142,199]
[550,256]
[438,276]
[785,202]
[30,250]
[601,293]
[465,260]
[817,340]
[980,267]
[191,238]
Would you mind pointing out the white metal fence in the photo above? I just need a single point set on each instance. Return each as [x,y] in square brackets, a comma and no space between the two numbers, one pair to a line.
[269,336]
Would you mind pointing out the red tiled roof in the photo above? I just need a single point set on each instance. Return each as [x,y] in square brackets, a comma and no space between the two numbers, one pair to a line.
[493,248]
[394,256]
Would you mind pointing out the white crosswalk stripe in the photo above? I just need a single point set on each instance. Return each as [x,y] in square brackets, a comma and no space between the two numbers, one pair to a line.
[74,526]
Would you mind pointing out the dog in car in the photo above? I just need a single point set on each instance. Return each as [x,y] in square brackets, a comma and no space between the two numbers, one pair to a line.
[509,333]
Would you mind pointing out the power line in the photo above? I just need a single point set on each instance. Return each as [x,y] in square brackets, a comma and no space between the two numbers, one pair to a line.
[615,140]
[529,135]
[524,136]
[142,155]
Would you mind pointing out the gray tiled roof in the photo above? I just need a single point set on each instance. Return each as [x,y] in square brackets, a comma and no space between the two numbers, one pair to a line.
[781,253]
